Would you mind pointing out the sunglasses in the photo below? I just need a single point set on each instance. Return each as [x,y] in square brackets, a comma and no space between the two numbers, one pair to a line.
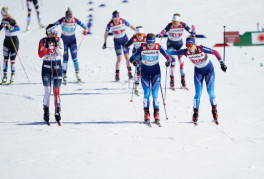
[115,18]
[189,45]
[68,17]
[175,22]
[139,35]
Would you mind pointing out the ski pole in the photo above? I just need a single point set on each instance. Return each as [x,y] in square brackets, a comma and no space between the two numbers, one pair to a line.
[166,85]
[18,54]
[41,3]
[80,43]
[163,103]
[224,44]
[131,100]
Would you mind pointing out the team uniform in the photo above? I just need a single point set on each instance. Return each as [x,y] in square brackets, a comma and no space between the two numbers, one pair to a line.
[203,70]
[134,40]
[175,42]
[8,46]
[51,71]
[69,40]
[150,72]
[119,33]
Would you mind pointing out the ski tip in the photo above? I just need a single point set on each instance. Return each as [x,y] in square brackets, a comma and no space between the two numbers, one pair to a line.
[131,100]
[164,104]
[59,124]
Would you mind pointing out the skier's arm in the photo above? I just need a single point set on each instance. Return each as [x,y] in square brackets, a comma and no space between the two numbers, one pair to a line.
[81,24]
[130,42]
[41,50]
[14,28]
[59,48]
[1,27]
[177,52]
[58,22]
[129,25]
[164,31]
[217,55]
[188,29]
[213,52]
[165,54]
[135,55]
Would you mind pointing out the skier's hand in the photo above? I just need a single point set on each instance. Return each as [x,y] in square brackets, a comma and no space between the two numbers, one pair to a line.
[193,28]
[160,35]
[47,43]
[135,63]
[85,32]
[167,64]
[223,66]
[54,41]
[7,27]
[104,46]
[124,48]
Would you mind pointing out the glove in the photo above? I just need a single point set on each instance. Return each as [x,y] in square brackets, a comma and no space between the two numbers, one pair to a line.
[47,43]
[167,64]
[124,48]
[84,32]
[104,46]
[135,63]
[193,28]
[223,66]
[7,27]
[160,35]
[54,41]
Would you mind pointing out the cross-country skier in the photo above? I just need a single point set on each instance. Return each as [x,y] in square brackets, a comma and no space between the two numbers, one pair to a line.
[10,43]
[203,70]
[51,50]
[117,26]
[137,40]
[36,5]
[68,26]
[175,31]
[150,72]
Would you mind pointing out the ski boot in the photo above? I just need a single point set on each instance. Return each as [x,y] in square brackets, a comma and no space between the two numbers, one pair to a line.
[117,76]
[130,77]
[136,88]
[64,77]
[12,78]
[4,80]
[156,117]
[46,115]
[57,115]
[146,116]
[215,114]
[195,116]
[172,81]
[183,81]
[78,77]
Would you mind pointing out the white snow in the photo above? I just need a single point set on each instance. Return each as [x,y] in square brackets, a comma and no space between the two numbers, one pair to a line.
[102,135]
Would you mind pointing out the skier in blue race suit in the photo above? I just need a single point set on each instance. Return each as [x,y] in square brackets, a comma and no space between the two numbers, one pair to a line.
[203,70]
[68,26]
[150,72]
[117,27]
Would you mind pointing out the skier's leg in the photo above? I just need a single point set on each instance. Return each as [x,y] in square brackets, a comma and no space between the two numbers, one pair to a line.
[155,81]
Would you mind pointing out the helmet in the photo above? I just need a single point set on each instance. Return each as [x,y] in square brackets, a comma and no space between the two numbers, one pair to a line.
[52,28]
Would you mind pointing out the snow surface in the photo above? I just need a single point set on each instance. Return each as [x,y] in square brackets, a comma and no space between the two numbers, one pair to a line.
[102,135]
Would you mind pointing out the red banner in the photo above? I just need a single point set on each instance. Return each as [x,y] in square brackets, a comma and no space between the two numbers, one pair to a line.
[232,37]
